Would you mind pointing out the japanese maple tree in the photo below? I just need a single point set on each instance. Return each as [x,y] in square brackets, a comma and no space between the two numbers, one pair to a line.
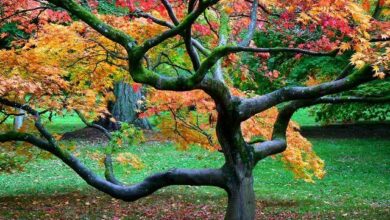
[190,53]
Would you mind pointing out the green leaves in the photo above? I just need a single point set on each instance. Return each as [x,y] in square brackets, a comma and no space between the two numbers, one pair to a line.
[128,135]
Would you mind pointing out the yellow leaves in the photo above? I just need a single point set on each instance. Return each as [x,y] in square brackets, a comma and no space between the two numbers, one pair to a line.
[312,81]
[378,73]
[130,159]
[304,18]
[358,14]
[344,46]
[358,59]
[299,156]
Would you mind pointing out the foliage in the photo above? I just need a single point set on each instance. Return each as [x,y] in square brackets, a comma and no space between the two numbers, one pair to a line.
[192,115]
[357,111]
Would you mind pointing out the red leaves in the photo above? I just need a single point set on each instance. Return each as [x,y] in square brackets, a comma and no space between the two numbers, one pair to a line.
[58,16]
[136,87]
[202,29]
[126,4]
[30,14]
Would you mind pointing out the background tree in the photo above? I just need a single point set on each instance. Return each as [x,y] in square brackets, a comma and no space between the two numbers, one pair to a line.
[17,28]
[209,36]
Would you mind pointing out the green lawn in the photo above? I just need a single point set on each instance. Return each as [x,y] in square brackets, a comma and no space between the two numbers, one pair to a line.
[357,184]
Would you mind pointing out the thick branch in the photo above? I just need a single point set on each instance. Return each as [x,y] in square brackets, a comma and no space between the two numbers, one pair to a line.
[202,177]
[252,106]
[279,143]
[208,177]
[268,148]
[25,137]
[225,50]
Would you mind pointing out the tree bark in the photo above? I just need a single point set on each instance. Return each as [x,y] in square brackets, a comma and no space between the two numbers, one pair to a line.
[241,200]
[238,167]
[18,120]
[124,108]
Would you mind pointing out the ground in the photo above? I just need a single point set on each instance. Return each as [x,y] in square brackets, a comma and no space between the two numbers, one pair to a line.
[357,184]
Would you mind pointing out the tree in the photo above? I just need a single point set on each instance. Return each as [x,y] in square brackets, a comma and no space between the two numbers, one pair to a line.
[126,107]
[119,108]
[209,36]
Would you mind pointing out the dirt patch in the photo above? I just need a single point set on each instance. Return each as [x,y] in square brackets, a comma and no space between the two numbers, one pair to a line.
[85,134]
[381,131]
[93,135]
[96,205]
[161,206]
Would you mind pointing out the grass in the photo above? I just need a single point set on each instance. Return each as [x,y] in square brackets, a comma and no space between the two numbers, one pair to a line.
[304,118]
[357,184]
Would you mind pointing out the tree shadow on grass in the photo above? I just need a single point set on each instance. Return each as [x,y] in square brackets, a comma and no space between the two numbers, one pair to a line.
[355,131]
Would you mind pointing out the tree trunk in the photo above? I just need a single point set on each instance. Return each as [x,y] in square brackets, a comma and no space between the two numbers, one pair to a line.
[241,200]
[238,167]
[124,109]
[18,120]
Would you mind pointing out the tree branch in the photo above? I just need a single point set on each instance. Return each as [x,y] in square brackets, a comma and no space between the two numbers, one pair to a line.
[103,28]
[378,9]
[268,148]
[187,21]
[193,54]
[252,25]
[252,106]
[169,9]
[18,12]
[202,177]
[198,177]
[109,172]
[196,43]
[279,141]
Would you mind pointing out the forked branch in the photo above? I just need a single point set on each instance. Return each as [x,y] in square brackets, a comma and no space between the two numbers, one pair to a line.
[198,177]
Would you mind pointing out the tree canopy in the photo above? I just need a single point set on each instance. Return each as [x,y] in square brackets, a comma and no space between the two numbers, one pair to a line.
[224,74]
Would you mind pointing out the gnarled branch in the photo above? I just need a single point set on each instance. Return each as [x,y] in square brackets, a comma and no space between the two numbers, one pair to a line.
[252,106]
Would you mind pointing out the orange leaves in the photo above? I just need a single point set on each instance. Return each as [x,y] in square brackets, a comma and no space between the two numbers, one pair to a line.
[130,159]
[189,118]
[63,67]
[298,157]
[179,120]
[169,100]
[344,46]
[366,5]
